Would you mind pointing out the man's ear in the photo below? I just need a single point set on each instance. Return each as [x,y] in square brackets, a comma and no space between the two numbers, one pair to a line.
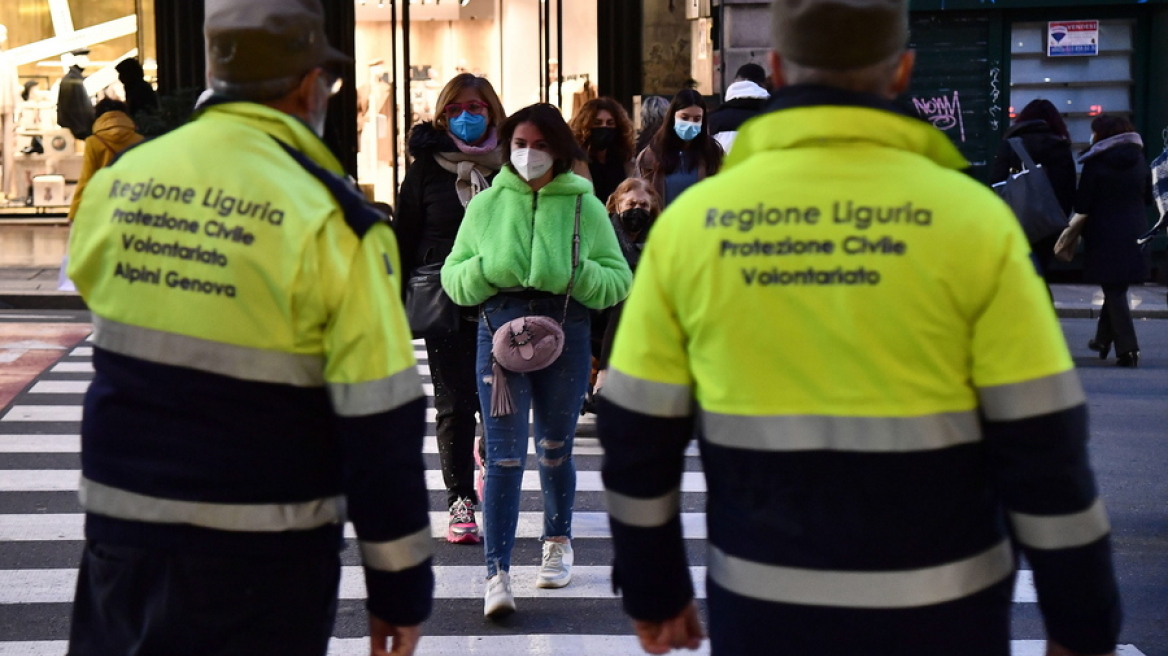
[304,94]
[776,69]
[904,69]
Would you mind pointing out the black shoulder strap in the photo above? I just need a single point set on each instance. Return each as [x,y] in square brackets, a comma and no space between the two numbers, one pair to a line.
[359,214]
[1020,150]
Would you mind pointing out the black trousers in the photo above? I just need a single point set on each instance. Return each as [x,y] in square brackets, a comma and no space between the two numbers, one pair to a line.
[456,400]
[1115,321]
[146,602]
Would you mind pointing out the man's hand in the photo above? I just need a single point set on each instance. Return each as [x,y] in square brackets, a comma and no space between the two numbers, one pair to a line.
[1055,649]
[404,638]
[681,632]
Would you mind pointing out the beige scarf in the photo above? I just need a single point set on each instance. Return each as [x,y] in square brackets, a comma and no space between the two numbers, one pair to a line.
[472,170]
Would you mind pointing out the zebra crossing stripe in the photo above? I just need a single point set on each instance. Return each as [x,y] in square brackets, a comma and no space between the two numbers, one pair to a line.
[56,586]
[558,644]
[585,525]
[72,413]
[30,443]
[68,480]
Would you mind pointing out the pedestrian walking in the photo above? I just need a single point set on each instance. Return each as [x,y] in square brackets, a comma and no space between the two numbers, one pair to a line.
[633,208]
[682,152]
[254,383]
[745,98]
[653,109]
[1114,190]
[456,156]
[140,95]
[1044,136]
[604,131]
[516,255]
[113,132]
[855,331]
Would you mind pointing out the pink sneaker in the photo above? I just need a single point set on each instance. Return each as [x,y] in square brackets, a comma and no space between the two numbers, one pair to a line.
[462,528]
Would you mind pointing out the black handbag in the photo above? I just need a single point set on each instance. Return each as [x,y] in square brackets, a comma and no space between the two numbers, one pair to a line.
[1031,196]
[430,311]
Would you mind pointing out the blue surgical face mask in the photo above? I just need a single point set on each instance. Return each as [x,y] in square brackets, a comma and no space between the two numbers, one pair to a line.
[468,127]
[687,130]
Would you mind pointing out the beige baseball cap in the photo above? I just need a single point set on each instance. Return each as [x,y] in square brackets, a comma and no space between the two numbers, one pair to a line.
[261,40]
[839,34]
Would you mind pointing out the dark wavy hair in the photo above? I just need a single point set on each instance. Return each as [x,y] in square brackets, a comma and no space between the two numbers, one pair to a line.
[1042,109]
[621,149]
[550,122]
[667,146]
[1110,125]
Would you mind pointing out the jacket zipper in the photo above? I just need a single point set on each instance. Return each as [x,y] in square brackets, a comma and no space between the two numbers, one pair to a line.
[534,207]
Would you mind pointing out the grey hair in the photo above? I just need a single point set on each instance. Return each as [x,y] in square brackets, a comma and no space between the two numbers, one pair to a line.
[874,78]
[259,92]
[653,108]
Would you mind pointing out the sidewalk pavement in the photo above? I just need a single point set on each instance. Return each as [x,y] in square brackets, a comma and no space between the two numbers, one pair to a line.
[35,288]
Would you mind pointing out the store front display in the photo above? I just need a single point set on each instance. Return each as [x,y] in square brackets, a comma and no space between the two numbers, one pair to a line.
[50,45]
[405,52]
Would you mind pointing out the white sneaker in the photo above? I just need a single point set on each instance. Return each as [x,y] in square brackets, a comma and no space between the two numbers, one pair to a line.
[498,602]
[556,571]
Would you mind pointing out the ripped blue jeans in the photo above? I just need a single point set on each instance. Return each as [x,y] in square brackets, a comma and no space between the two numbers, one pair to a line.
[554,396]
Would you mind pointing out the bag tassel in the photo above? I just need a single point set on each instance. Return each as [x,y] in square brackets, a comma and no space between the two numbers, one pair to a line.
[501,403]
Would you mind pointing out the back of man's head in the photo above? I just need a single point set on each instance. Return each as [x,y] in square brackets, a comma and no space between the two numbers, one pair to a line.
[259,49]
[751,72]
[839,34]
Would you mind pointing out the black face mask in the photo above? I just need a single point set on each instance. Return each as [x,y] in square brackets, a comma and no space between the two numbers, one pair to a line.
[602,138]
[635,220]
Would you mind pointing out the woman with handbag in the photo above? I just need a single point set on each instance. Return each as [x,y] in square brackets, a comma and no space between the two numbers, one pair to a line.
[1114,189]
[1044,136]
[455,157]
[536,250]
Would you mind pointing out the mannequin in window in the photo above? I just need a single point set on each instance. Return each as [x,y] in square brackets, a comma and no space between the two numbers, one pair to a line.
[9,89]
[74,107]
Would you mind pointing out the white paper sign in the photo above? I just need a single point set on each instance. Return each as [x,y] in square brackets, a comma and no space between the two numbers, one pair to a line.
[1072,38]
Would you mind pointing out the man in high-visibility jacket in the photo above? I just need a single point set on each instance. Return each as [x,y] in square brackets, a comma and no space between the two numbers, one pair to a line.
[254,384]
[885,403]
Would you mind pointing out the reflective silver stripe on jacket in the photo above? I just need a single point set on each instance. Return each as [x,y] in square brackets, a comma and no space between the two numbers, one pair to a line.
[892,589]
[645,513]
[400,554]
[114,502]
[372,397]
[648,397]
[242,362]
[1061,531]
[1032,398]
[836,433]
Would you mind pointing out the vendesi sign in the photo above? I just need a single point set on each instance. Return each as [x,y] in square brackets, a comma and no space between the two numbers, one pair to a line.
[1072,38]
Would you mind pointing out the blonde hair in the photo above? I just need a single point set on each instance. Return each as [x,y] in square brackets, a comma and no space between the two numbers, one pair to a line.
[631,185]
[461,82]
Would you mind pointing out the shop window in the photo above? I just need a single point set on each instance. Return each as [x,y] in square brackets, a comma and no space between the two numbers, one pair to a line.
[1082,87]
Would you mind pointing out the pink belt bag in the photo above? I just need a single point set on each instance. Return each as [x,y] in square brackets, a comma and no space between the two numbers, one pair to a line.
[531,342]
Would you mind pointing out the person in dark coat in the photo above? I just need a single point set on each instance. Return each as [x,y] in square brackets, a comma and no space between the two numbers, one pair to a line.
[1114,189]
[1044,136]
[745,98]
[604,130]
[140,96]
[455,157]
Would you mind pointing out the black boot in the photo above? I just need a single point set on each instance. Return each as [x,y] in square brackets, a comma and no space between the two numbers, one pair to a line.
[1129,359]
[1102,347]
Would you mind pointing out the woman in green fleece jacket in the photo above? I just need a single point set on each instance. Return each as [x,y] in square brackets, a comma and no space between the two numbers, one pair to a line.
[513,256]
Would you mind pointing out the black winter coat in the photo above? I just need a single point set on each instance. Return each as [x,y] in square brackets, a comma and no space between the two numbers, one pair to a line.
[428,213]
[733,113]
[1046,148]
[1114,189]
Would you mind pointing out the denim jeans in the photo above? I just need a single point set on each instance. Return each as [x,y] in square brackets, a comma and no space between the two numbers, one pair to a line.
[554,395]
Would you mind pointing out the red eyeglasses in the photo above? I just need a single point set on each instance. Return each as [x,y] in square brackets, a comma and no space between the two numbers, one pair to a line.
[474,107]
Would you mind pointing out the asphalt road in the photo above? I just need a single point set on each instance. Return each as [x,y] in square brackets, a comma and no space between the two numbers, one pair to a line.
[1129,418]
